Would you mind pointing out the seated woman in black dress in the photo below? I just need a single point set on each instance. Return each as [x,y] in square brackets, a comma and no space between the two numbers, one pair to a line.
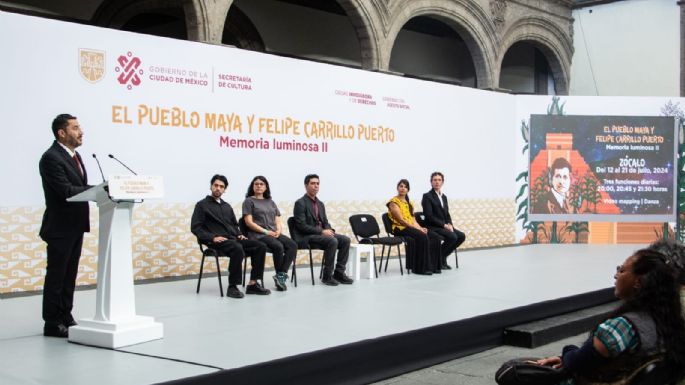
[423,245]
[263,220]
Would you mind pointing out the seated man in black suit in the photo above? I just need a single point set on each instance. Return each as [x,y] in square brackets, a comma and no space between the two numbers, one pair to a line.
[438,219]
[215,225]
[63,175]
[312,223]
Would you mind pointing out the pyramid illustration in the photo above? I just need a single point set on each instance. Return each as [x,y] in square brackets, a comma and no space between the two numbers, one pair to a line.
[560,145]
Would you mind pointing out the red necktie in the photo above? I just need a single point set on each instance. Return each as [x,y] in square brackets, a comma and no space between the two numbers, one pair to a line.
[78,164]
[315,206]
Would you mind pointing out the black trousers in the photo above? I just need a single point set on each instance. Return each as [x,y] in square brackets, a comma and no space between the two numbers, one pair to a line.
[451,240]
[60,278]
[283,250]
[423,250]
[329,245]
[236,250]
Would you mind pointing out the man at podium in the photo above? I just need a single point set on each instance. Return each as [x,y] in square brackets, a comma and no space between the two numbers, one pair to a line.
[63,175]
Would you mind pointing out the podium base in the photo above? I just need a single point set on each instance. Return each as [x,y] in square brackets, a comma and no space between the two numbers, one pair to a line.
[116,334]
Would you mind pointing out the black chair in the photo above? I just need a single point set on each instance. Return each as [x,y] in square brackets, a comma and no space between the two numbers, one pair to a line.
[387,224]
[365,229]
[210,252]
[421,220]
[301,245]
[654,372]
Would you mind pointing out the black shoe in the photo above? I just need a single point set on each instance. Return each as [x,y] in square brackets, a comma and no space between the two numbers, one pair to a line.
[437,271]
[446,267]
[329,281]
[257,289]
[55,330]
[234,292]
[342,278]
[71,323]
[424,273]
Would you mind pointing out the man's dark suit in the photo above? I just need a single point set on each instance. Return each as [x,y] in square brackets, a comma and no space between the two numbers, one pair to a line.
[548,204]
[310,227]
[437,216]
[63,226]
[217,219]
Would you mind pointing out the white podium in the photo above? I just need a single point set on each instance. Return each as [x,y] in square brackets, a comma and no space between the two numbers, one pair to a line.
[116,323]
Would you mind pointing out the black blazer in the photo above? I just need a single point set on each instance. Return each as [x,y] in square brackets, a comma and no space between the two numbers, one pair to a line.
[305,221]
[212,219]
[62,179]
[436,215]
[548,204]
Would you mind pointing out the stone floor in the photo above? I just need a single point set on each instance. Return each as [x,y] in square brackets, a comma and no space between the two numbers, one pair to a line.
[477,369]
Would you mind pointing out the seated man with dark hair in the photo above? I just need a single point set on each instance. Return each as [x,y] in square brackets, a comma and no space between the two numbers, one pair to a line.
[311,221]
[215,225]
[438,218]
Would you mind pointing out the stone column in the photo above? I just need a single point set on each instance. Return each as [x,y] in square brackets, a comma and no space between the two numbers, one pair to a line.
[205,19]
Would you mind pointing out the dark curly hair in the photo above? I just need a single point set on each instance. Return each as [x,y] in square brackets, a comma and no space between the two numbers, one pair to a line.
[659,296]
[675,252]
[250,188]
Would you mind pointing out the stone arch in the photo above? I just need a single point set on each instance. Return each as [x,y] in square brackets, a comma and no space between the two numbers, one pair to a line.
[320,30]
[116,13]
[368,26]
[466,18]
[550,39]
[240,32]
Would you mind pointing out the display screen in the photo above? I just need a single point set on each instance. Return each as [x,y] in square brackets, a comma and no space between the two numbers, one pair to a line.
[602,168]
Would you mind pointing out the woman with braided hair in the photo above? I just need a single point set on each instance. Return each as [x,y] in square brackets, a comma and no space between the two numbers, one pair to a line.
[675,252]
[647,326]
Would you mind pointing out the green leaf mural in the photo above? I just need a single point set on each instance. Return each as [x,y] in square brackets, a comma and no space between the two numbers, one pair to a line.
[674,109]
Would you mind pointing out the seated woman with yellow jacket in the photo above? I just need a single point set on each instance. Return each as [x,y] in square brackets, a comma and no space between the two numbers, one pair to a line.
[423,245]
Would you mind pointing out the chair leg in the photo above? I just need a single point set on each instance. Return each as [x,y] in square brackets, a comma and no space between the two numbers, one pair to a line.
[199,279]
[405,255]
[456,259]
[381,264]
[386,262]
[374,258]
[244,269]
[293,276]
[399,259]
[311,265]
[218,275]
[387,258]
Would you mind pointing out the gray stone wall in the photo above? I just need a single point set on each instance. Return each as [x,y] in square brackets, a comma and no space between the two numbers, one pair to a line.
[488,27]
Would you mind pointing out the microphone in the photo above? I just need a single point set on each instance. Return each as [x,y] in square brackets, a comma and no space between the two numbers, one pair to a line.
[98,162]
[122,163]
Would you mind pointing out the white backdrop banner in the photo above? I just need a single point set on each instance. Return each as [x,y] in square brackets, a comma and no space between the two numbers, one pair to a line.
[186,111]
